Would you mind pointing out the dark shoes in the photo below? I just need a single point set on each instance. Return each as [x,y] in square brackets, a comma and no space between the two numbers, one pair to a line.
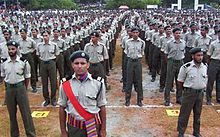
[46,103]
[127,103]
[197,135]
[167,103]
[161,90]
[139,103]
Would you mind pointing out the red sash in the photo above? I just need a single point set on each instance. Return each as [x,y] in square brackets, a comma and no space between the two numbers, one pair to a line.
[90,120]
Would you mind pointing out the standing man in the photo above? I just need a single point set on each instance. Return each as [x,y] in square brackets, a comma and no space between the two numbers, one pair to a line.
[174,51]
[28,49]
[98,55]
[16,74]
[85,93]
[47,52]
[134,48]
[213,70]
[193,79]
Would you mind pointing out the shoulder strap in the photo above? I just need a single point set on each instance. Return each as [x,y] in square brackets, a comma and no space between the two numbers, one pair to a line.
[100,89]
[67,89]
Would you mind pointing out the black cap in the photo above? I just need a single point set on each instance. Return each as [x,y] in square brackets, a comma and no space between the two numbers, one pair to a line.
[79,54]
[95,33]
[195,50]
[6,31]
[23,30]
[12,43]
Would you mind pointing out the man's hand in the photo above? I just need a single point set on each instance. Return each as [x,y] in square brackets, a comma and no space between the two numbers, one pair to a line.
[64,134]
[102,133]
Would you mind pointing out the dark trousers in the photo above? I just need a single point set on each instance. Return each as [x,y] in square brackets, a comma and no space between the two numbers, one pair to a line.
[30,60]
[48,70]
[173,67]
[18,96]
[188,56]
[192,100]
[134,75]
[150,56]
[67,64]
[97,70]
[146,52]
[213,75]
[60,65]
[155,62]
[36,65]
[163,71]
[124,69]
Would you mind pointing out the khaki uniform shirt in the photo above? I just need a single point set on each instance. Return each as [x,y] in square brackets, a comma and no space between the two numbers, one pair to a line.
[60,43]
[190,39]
[47,52]
[97,53]
[3,50]
[27,46]
[203,43]
[192,76]
[163,42]
[214,50]
[175,50]
[14,72]
[134,48]
[86,93]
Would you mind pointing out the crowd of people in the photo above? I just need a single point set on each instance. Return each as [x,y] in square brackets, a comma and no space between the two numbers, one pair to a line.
[78,48]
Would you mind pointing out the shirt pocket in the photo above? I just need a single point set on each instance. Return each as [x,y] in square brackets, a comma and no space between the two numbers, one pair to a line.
[204,77]
[52,50]
[19,71]
[91,99]
[99,51]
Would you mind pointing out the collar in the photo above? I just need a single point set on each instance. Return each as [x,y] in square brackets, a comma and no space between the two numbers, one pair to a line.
[176,41]
[138,39]
[49,43]
[89,76]
[16,60]
[194,65]
[94,44]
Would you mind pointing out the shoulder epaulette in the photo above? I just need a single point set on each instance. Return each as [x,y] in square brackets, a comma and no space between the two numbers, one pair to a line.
[186,65]
[23,59]
[100,79]
[66,79]
[3,60]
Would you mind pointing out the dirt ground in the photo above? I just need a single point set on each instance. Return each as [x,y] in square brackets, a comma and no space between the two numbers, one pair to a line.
[149,121]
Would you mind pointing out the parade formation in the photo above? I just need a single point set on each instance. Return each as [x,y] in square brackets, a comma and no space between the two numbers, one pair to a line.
[70,54]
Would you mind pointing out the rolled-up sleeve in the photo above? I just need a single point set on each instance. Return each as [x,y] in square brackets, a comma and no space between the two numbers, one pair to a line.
[181,75]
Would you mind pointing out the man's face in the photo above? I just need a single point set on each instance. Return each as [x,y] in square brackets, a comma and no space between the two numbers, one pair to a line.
[7,36]
[168,31]
[161,30]
[193,28]
[12,51]
[198,57]
[46,36]
[80,66]
[63,32]
[129,32]
[177,34]
[185,29]
[23,34]
[203,32]
[94,39]
[135,34]
[34,33]
[56,33]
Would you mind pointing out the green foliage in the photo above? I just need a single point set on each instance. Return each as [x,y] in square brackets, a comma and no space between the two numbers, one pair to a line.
[51,4]
[132,4]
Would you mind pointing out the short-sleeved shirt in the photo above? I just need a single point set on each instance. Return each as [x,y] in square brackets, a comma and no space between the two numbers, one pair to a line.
[4,50]
[193,76]
[214,50]
[97,53]
[175,50]
[134,48]
[203,42]
[163,42]
[14,72]
[90,94]
[60,43]
[190,39]
[47,51]
[27,46]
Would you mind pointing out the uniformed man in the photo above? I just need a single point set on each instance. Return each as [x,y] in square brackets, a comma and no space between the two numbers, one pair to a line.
[214,70]
[98,55]
[193,79]
[38,39]
[134,48]
[47,52]
[89,93]
[28,49]
[16,73]
[174,51]
[203,41]
[190,41]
